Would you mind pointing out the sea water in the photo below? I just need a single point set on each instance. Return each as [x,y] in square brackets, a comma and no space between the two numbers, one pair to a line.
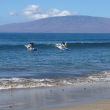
[86,54]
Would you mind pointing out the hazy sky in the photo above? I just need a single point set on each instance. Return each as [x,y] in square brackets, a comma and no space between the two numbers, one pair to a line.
[12,11]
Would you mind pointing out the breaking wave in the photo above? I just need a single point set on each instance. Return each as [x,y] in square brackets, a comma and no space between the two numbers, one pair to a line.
[9,83]
[53,45]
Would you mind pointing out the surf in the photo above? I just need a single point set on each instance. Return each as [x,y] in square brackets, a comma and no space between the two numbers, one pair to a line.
[70,45]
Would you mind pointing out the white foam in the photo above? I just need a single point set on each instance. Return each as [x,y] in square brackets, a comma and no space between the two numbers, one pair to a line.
[7,83]
[102,76]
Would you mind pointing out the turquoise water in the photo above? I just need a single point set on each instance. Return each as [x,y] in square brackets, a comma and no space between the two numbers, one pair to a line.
[86,54]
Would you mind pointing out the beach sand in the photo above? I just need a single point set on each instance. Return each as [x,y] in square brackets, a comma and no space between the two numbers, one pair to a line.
[82,97]
[100,105]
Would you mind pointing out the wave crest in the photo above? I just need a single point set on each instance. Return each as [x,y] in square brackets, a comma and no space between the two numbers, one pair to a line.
[7,83]
[53,45]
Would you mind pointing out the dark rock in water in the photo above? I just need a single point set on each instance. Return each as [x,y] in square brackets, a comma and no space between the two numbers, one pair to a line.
[64,24]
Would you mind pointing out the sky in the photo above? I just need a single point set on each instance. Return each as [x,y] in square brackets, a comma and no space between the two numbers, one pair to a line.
[16,11]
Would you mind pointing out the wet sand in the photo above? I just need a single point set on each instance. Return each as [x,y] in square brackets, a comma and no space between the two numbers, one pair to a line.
[46,98]
[100,105]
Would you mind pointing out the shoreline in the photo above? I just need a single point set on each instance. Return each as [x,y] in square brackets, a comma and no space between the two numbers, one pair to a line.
[55,94]
[53,97]
[88,79]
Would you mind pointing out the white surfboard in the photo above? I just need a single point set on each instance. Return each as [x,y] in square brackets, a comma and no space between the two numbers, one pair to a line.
[29,48]
[60,46]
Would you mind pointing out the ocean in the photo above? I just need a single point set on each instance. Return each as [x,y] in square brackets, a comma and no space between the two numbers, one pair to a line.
[87,58]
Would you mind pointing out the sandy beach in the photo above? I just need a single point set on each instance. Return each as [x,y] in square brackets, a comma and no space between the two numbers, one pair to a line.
[91,97]
[100,105]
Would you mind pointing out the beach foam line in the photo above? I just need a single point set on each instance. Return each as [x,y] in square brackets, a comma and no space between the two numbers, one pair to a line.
[103,76]
[99,77]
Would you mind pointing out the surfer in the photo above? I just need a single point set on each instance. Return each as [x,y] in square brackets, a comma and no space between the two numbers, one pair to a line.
[63,44]
[30,46]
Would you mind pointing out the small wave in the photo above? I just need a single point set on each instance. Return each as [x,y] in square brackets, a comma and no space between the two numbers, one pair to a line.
[103,76]
[8,83]
[53,45]
[4,47]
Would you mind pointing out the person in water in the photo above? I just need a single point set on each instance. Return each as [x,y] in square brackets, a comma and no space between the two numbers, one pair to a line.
[63,44]
[30,46]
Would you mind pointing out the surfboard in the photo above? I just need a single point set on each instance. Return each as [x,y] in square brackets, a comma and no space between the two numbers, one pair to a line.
[29,48]
[61,47]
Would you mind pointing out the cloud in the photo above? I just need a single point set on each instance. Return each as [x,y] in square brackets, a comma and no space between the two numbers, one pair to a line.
[38,16]
[55,12]
[32,9]
[35,12]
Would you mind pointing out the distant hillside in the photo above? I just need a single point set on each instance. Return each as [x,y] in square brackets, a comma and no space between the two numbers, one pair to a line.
[65,24]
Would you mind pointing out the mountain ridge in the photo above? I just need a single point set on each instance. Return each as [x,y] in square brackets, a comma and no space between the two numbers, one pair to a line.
[63,24]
